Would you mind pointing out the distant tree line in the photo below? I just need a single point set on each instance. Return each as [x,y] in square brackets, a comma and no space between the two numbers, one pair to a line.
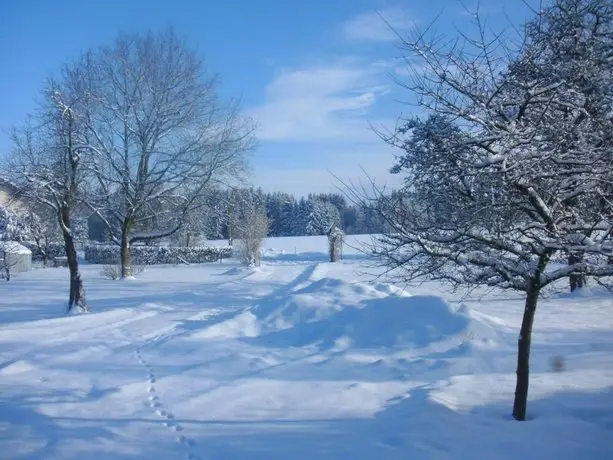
[222,210]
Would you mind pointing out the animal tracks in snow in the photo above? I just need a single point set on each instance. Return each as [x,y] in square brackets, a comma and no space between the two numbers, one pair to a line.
[154,403]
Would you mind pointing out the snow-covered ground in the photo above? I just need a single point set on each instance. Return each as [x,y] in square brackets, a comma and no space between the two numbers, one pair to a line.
[300,359]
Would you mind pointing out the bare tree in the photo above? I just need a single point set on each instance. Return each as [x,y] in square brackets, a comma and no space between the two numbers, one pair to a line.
[505,174]
[251,232]
[48,166]
[160,135]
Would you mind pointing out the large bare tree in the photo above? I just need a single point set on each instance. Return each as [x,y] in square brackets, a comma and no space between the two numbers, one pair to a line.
[511,170]
[159,135]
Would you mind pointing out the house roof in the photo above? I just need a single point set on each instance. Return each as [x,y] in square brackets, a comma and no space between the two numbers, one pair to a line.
[13,247]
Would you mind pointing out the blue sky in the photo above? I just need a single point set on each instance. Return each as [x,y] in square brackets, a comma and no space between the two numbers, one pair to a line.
[314,74]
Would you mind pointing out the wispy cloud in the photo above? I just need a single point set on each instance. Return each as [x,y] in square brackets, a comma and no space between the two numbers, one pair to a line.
[321,103]
[315,120]
[378,26]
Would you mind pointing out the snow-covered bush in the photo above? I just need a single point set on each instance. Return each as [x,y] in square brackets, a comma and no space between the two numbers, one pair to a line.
[154,255]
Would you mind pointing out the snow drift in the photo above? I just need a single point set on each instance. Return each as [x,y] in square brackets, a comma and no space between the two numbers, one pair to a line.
[388,322]
[336,314]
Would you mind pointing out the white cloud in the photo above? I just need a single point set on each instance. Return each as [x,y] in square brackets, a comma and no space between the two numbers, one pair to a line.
[321,103]
[315,121]
[378,25]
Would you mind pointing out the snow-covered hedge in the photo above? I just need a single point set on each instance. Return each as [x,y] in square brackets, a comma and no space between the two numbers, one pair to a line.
[53,250]
[153,255]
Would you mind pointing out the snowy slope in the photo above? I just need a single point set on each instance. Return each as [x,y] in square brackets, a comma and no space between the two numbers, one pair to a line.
[299,359]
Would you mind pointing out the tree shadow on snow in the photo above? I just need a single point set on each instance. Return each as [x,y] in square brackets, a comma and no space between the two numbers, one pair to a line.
[565,425]
[421,425]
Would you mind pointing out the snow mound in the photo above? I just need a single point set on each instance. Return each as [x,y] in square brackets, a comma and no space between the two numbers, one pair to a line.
[242,325]
[386,322]
[314,301]
[335,314]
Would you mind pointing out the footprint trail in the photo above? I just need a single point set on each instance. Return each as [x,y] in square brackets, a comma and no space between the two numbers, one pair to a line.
[167,417]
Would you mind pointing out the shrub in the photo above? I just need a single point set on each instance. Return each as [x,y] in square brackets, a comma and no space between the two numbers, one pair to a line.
[251,233]
[113,272]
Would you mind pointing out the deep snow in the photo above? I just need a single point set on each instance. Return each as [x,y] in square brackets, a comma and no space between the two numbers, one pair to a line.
[298,359]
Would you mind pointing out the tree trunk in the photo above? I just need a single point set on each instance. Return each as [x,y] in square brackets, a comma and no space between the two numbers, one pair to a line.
[523,356]
[525,338]
[188,237]
[124,251]
[46,258]
[76,298]
[576,280]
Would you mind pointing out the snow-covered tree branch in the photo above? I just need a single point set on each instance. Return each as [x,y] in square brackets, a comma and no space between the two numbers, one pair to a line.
[512,168]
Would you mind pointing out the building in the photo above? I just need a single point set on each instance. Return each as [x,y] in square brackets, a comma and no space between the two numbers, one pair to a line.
[15,257]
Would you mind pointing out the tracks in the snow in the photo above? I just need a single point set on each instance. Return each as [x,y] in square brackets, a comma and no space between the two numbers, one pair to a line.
[157,407]
[153,400]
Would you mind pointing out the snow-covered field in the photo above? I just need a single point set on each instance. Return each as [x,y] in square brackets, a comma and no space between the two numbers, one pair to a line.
[300,359]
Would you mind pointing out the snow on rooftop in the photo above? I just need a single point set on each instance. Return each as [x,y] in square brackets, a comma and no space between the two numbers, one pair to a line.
[14,247]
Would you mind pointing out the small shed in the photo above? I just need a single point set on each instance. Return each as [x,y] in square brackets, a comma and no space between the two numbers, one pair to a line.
[15,257]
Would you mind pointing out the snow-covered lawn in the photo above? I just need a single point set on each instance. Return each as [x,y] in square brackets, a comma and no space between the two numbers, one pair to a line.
[300,359]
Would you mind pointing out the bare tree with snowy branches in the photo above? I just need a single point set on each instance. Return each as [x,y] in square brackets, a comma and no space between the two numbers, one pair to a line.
[48,167]
[511,171]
